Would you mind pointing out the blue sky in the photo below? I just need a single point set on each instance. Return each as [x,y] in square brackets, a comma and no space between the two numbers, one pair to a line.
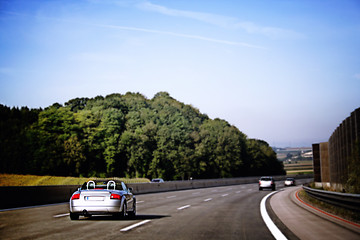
[284,71]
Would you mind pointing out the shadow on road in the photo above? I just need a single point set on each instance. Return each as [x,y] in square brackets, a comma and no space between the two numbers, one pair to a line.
[112,218]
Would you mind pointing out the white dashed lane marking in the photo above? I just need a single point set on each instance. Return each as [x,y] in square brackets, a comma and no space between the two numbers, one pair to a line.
[208,199]
[62,215]
[134,226]
[183,207]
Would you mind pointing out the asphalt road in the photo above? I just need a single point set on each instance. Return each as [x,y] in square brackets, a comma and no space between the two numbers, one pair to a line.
[231,212]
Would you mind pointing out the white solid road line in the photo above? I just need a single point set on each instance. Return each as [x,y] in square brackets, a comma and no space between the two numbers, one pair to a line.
[269,223]
[183,207]
[134,226]
[62,215]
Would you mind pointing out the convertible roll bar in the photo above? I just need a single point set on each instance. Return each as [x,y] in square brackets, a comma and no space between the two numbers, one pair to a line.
[109,184]
[88,183]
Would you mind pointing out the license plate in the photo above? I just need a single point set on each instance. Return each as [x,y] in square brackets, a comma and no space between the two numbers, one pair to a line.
[94,198]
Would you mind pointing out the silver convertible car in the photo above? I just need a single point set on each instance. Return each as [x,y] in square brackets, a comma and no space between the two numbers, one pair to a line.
[102,197]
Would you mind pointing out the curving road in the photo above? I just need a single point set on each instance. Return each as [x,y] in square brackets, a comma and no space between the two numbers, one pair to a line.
[307,222]
[231,212]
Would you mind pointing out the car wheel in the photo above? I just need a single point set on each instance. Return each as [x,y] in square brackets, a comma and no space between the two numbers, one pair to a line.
[260,188]
[133,212]
[124,211]
[273,188]
[74,216]
[122,214]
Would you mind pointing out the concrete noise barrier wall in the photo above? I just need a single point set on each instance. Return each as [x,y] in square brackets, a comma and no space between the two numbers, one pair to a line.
[12,197]
[140,188]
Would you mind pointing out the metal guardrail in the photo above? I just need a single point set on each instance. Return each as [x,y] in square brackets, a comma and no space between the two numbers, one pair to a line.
[345,200]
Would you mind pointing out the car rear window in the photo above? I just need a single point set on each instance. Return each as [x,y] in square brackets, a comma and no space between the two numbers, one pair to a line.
[265,179]
[98,185]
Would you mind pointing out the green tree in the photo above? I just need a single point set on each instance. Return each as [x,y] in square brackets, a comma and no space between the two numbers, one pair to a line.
[55,126]
[263,159]
[15,142]
[128,135]
[74,157]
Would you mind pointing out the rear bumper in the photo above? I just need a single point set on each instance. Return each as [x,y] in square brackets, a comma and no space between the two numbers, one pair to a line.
[95,210]
[261,186]
[95,207]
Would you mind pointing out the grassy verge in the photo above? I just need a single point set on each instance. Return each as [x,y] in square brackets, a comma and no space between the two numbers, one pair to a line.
[33,180]
[301,167]
[298,172]
[338,211]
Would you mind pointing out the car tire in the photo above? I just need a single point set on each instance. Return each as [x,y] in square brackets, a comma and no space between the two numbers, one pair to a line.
[122,214]
[124,211]
[132,213]
[74,216]
[260,188]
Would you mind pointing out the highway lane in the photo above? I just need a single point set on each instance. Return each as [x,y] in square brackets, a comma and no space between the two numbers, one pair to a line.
[225,213]
[230,212]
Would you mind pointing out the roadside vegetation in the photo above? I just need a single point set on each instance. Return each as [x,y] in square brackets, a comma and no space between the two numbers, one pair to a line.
[33,180]
[128,136]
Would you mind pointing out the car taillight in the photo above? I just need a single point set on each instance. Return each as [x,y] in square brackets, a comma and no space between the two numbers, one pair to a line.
[75,196]
[115,196]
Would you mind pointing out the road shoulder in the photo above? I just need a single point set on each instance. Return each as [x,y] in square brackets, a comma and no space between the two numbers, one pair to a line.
[293,214]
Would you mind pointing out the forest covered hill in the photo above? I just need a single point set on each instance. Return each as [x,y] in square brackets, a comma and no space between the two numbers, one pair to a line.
[128,136]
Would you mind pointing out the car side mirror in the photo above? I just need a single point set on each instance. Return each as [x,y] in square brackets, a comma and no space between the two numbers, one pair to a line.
[130,189]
